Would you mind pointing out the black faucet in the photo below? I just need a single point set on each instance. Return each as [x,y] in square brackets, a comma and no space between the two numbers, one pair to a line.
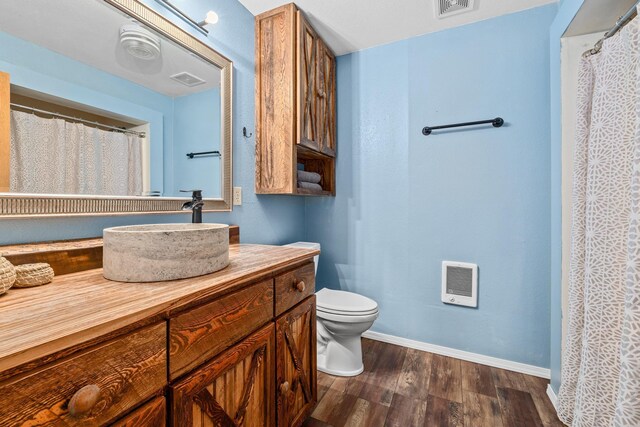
[195,205]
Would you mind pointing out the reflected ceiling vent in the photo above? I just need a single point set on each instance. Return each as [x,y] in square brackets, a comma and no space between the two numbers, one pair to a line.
[139,42]
[446,8]
[188,79]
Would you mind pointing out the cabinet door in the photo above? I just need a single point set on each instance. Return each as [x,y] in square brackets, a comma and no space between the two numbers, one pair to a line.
[276,102]
[296,363]
[151,414]
[235,389]
[307,68]
[326,99]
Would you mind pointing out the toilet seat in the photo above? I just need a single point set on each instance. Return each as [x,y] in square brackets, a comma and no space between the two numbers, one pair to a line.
[346,303]
[342,306]
[346,318]
[346,313]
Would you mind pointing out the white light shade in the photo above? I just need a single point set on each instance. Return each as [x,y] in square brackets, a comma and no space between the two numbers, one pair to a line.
[211,18]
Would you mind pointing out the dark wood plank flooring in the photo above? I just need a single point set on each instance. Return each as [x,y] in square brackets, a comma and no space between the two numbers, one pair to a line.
[404,387]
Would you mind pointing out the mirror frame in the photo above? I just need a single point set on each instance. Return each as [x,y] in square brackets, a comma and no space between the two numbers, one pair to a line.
[47,205]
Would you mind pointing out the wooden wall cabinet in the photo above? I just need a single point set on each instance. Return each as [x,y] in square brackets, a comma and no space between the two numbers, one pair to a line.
[295,103]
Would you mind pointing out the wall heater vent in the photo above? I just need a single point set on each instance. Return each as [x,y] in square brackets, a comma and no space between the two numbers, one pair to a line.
[446,8]
[460,283]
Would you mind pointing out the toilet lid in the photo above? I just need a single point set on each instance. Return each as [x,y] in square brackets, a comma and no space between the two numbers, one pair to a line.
[341,302]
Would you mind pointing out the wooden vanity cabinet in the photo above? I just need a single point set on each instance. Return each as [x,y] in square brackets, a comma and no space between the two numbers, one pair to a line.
[295,103]
[197,335]
[269,376]
[236,348]
[296,363]
[151,414]
[235,389]
[92,388]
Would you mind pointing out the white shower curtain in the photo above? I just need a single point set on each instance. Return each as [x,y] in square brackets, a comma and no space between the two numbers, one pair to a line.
[601,360]
[53,156]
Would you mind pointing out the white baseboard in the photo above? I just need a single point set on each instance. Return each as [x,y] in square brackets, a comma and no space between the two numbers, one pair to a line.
[460,354]
[552,397]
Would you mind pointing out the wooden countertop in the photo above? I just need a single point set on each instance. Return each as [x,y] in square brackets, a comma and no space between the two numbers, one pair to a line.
[81,309]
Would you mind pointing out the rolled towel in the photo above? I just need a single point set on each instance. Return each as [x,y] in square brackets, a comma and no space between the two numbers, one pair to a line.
[304,176]
[310,186]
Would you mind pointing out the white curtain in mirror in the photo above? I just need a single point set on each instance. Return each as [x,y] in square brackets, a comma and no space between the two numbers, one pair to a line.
[53,156]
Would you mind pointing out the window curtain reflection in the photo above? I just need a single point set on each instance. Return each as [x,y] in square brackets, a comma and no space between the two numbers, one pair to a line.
[53,156]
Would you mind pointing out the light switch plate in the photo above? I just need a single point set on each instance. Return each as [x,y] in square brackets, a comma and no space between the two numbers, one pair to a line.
[237,196]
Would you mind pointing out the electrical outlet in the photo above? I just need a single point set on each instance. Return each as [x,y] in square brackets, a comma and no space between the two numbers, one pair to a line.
[237,196]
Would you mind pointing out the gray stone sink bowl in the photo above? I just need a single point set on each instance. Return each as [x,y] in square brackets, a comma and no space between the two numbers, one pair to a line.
[160,252]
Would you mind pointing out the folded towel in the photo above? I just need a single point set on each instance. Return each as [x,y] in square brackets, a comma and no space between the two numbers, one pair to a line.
[312,177]
[310,186]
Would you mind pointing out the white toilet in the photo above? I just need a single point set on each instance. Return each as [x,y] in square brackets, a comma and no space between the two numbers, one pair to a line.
[342,317]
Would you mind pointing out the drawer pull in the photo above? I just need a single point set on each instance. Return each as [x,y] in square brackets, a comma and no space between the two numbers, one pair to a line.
[301,286]
[284,387]
[83,400]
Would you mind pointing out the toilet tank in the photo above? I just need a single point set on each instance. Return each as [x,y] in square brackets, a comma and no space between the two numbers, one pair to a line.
[308,245]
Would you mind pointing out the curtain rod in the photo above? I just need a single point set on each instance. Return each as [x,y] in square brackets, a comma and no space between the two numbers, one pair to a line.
[62,116]
[621,22]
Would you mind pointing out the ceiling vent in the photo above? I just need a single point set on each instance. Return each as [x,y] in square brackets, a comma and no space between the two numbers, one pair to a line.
[446,8]
[139,42]
[188,79]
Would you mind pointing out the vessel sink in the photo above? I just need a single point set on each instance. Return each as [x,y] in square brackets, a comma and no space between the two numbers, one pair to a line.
[160,252]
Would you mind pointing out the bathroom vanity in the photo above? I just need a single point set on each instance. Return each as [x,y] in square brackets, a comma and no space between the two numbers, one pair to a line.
[236,347]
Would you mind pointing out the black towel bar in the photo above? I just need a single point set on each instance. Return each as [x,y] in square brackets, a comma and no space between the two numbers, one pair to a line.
[496,123]
[204,153]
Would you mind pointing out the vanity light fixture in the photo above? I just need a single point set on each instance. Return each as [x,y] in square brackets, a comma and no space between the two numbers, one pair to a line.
[210,19]
[186,17]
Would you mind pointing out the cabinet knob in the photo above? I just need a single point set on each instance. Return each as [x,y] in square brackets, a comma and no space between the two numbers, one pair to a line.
[83,400]
[284,387]
[301,286]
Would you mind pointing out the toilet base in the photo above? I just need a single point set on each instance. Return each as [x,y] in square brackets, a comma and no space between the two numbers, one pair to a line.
[323,368]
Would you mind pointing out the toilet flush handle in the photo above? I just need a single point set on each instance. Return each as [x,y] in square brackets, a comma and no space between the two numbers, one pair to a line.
[301,286]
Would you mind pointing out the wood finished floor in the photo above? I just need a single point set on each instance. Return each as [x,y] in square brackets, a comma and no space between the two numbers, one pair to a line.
[404,387]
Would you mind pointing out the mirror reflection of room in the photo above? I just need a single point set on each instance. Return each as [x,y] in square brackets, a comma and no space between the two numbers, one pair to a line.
[107,107]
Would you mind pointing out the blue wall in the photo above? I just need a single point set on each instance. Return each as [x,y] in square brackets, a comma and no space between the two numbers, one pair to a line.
[197,130]
[263,219]
[406,202]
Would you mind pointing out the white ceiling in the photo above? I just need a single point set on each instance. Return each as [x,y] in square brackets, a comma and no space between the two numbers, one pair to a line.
[88,31]
[351,25]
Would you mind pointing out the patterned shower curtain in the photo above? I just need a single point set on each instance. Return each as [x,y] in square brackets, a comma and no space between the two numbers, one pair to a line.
[601,360]
[53,156]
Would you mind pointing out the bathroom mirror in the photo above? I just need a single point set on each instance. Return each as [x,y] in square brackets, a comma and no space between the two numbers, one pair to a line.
[107,107]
